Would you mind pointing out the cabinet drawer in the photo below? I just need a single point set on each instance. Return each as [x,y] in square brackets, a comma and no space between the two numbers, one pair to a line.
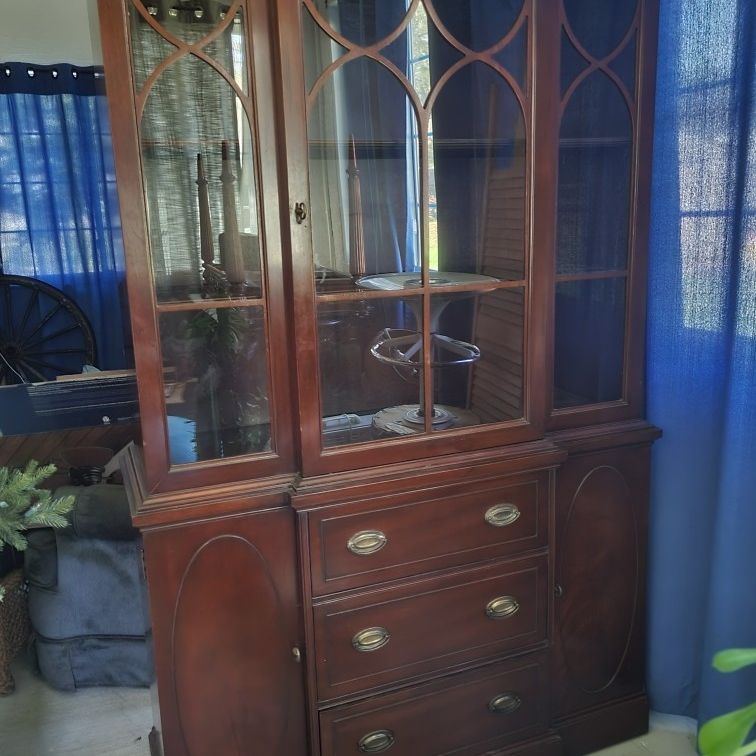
[470,713]
[369,542]
[385,636]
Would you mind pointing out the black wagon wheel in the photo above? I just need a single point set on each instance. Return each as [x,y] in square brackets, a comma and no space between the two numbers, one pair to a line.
[43,333]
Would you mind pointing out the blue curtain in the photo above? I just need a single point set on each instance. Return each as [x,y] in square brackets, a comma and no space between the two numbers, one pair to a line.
[702,356]
[59,218]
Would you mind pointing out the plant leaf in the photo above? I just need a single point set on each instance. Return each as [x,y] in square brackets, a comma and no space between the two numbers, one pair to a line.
[733,659]
[724,735]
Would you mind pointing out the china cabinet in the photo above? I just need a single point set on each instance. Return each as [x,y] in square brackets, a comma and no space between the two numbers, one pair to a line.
[386,266]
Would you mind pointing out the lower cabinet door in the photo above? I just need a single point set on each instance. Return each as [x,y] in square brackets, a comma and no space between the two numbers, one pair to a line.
[470,713]
[226,629]
[601,523]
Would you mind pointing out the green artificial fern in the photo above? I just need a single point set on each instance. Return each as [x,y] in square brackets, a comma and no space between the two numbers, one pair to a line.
[23,505]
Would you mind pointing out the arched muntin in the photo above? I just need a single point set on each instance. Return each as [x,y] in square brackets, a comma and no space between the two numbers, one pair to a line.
[631,23]
[184,48]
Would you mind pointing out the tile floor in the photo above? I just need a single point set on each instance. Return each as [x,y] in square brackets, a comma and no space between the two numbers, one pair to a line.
[39,721]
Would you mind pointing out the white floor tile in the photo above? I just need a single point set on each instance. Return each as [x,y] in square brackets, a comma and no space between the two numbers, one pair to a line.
[39,721]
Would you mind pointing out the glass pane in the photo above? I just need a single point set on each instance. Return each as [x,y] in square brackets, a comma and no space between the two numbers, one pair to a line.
[370,369]
[514,56]
[600,25]
[589,341]
[363,176]
[595,159]
[624,65]
[150,48]
[363,22]
[319,49]
[478,24]
[422,53]
[229,50]
[478,357]
[216,383]
[199,173]
[571,65]
[477,181]
[189,21]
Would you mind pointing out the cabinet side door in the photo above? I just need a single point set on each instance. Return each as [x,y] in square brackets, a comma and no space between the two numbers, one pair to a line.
[226,631]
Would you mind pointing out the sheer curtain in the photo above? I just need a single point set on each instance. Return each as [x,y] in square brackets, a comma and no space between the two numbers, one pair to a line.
[702,356]
[59,219]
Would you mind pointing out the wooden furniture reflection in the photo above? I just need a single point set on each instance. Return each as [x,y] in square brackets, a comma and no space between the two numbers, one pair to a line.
[331,589]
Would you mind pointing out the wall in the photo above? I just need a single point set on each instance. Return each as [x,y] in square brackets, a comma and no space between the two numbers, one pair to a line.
[49,31]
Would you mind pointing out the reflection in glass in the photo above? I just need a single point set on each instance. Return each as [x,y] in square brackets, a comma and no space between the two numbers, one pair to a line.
[600,25]
[624,65]
[358,141]
[229,50]
[514,56]
[478,24]
[486,386]
[589,341]
[199,174]
[318,48]
[595,158]
[216,383]
[363,22]
[478,176]
[190,22]
[370,368]
[422,52]
[571,65]
[150,49]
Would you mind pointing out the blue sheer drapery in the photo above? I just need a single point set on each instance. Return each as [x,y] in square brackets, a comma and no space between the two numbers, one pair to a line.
[59,219]
[702,356]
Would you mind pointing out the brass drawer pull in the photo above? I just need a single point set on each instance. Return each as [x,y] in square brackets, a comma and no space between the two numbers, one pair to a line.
[505,703]
[501,607]
[371,639]
[367,542]
[377,741]
[501,515]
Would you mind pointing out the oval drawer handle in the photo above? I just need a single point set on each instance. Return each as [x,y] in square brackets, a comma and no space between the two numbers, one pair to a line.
[377,741]
[371,639]
[367,542]
[501,607]
[505,703]
[501,515]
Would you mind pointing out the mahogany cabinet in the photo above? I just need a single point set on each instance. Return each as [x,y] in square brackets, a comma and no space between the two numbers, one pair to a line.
[386,267]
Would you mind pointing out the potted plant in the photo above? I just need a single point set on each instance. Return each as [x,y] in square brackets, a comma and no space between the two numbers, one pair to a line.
[23,505]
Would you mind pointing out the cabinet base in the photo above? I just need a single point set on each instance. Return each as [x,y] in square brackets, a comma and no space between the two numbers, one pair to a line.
[547,746]
[604,726]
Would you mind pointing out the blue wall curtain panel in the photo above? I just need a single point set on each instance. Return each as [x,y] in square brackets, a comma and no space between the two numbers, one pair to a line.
[702,356]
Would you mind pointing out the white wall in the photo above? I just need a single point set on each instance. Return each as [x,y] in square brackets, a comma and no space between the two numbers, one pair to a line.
[49,31]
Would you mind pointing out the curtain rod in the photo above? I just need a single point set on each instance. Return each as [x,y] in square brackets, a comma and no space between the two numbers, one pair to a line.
[58,78]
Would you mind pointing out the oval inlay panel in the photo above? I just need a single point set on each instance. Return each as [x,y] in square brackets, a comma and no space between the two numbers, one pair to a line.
[228,652]
[598,571]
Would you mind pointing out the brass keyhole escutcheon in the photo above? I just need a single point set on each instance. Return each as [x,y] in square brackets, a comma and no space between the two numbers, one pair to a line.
[300,212]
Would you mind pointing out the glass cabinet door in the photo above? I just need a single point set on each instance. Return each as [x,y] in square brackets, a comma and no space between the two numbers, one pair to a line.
[418,116]
[200,156]
[595,208]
